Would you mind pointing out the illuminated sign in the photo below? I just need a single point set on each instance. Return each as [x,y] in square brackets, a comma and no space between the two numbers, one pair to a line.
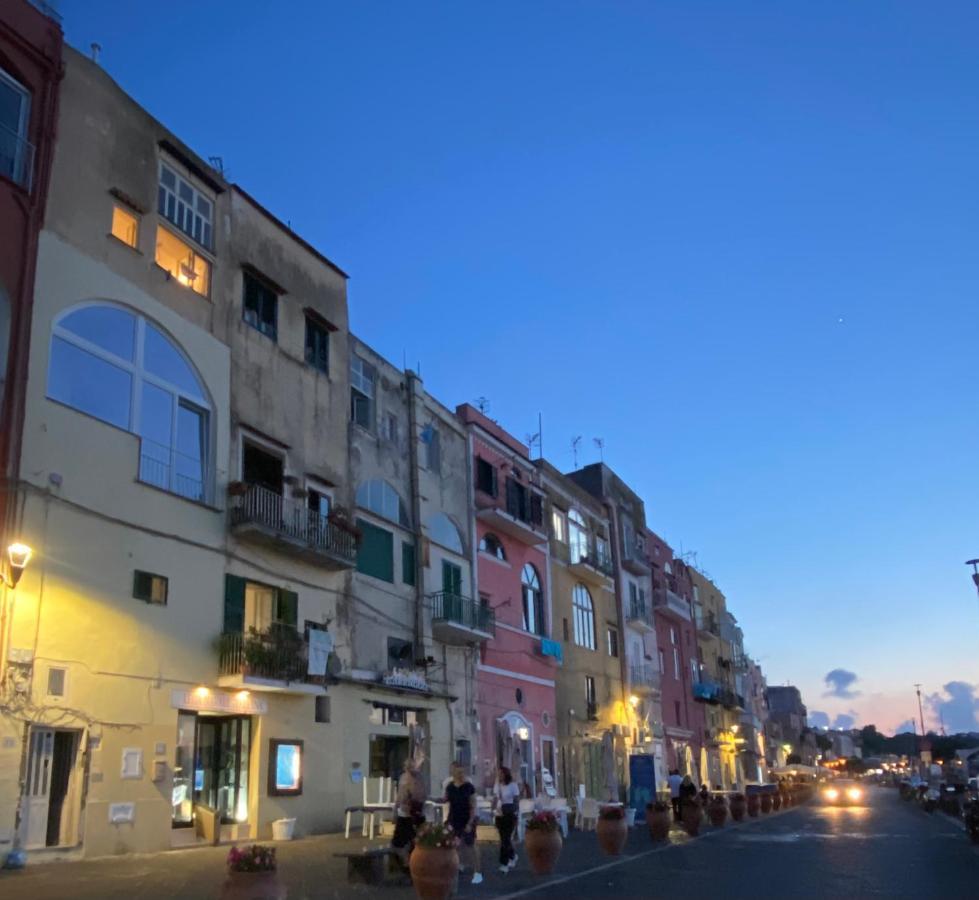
[202,699]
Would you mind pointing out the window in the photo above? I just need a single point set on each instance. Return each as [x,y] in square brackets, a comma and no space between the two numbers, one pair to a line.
[602,551]
[672,635]
[285,768]
[442,530]
[584,617]
[185,206]
[407,563]
[381,499]
[362,393]
[121,369]
[591,701]
[676,710]
[577,536]
[318,501]
[389,428]
[322,712]
[533,601]
[149,587]
[451,578]
[485,477]
[491,545]
[16,154]
[125,226]
[694,671]
[433,448]
[676,663]
[375,555]
[248,605]
[401,654]
[176,257]
[57,681]
[613,642]
[559,526]
[261,467]
[260,306]
[662,660]
[317,345]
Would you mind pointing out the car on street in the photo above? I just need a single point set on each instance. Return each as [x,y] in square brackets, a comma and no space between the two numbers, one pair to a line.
[843,792]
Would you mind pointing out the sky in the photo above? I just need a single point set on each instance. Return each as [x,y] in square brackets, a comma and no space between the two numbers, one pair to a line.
[736,242]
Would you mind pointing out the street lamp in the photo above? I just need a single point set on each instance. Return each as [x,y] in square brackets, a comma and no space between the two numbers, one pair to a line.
[19,555]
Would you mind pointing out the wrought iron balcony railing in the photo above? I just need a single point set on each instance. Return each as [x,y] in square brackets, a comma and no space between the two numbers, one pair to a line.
[450,607]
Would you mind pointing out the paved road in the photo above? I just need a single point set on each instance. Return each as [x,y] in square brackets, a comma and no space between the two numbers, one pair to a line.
[886,849]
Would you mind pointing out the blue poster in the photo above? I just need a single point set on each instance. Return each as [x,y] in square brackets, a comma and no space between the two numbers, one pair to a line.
[642,780]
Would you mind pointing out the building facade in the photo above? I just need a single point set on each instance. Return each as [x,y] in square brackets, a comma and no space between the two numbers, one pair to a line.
[789,713]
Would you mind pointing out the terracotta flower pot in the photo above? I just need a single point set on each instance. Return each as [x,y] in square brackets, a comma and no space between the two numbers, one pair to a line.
[433,872]
[690,816]
[754,804]
[253,886]
[658,822]
[786,798]
[543,849]
[738,807]
[612,835]
[766,802]
[717,812]
[776,801]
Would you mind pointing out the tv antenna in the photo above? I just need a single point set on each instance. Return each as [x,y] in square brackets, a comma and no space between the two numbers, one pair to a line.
[574,449]
[530,440]
[482,404]
[600,443]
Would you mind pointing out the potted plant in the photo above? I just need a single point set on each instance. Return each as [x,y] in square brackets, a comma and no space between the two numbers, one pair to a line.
[766,802]
[611,829]
[252,872]
[786,795]
[776,800]
[434,863]
[543,842]
[658,817]
[739,806]
[717,811]
[754,804]
[690,816]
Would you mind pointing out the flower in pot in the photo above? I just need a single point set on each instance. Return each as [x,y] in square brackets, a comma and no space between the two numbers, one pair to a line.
[658,820]
[739,806]
[434,863]
[611,829]
[252,872]
[690,816]
[542,841]
[717,810]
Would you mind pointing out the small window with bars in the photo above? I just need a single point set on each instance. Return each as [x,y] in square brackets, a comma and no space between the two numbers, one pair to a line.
[150,588]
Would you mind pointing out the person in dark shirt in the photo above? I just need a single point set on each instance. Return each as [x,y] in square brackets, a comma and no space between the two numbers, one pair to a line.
[461,797]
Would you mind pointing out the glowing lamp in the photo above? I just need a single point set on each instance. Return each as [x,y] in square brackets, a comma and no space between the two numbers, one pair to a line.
[523,733]
[19,556]
[633,701]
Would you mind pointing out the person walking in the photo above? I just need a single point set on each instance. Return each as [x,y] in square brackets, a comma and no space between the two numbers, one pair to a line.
[704,795]
[410,808]
[506,795]
[675,781]
[463,819]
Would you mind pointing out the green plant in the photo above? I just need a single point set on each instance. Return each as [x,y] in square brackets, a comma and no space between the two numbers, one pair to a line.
[436,837]
[542,821]
[611,813]
[255,858]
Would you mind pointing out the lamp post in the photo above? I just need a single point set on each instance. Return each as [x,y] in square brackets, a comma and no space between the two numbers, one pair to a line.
[975,571]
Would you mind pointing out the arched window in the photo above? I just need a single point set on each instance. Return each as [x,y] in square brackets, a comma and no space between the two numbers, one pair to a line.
[442,530]
[533,601]
[584,617]
[119,367]
[577,536]
[380,498]
[491,544]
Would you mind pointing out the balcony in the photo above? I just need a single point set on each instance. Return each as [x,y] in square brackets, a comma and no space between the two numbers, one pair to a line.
[519,514]
[667,601]
[459,621]
[16,157]
[707,692]
[635,560]
[592,567]
[640,616]
[275,660]
[707,626]
[643,678]
[266,517]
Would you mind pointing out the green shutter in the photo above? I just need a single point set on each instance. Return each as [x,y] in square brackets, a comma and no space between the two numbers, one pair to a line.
[375,556]
[451,578]
[407,562]
[234,604]
[288,612]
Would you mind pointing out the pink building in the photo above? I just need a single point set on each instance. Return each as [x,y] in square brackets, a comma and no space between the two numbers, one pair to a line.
[676,635]
[515,696]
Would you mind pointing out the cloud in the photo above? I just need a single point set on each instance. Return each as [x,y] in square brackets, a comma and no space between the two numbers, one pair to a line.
[839,681]
[846,721]
[818,719]
[958,708]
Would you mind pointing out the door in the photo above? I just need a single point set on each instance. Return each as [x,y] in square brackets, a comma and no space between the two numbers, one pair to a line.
[37,789]
[63,758]
[221,768]
[642,780]
[452,588]
[591,759]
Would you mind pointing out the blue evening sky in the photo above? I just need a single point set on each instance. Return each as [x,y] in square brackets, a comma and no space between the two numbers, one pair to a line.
[736,240]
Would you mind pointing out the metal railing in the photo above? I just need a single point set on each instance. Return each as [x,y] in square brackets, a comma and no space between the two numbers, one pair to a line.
[706,691]
[261,506]
[165,468]
[643,675]
[279,654]
[707,622]
[640,612]
[451,607]
[600,562]
[16,157]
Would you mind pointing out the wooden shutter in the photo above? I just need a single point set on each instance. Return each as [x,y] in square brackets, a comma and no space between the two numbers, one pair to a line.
[375,556]
[234,604]
[536,509]
[288,611]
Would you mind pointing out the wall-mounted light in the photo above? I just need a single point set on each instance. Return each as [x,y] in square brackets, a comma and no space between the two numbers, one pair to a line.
[633,701]
[19,555]
[523,732]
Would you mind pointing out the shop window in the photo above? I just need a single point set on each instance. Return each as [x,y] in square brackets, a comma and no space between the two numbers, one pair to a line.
[285,768]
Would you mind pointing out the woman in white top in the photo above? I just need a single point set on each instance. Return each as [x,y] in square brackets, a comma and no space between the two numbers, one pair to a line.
[506,795]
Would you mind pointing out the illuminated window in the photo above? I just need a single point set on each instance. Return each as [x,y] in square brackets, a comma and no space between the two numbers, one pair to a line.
[577,536]
[285,768]
[559,526]
[125,226]
[177,258]
[584,617]
[185,206]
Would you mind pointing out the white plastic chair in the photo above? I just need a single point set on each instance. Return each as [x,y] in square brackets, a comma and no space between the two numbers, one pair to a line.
[559,806]
[588,814]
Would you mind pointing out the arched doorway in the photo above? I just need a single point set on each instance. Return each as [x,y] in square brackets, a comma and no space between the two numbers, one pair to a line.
[518,751]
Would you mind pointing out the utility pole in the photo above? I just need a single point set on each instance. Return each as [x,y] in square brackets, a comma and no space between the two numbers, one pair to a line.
[921,714]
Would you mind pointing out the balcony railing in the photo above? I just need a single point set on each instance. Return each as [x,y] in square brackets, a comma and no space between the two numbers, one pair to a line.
[293,520]
[707,624]
[640,613]
[16,157]
[707,691]
[449,607]
[165,468]
[643,676]
[279,654]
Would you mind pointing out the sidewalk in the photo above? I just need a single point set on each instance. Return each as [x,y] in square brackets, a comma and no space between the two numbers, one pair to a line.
[307,867]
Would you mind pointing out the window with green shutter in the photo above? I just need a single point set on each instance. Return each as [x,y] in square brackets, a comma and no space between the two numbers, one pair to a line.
[407,563]
[375,555]
[234,604]
[287,608]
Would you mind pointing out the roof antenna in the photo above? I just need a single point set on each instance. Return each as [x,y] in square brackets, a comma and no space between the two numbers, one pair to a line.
[96,50]
[574,449]
[600,443]
[482,404]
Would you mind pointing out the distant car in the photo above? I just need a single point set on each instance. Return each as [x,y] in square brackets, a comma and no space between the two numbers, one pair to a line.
[843,792]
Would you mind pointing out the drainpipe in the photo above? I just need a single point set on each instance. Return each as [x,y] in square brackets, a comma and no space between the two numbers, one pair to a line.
[613,523]
[472,657]
[412,381]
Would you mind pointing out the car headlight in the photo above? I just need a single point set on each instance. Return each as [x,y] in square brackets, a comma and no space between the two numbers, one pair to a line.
[832,793]
[853,793]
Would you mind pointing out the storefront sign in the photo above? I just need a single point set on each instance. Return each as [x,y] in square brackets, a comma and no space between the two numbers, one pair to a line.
[242,703]
[406,678]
